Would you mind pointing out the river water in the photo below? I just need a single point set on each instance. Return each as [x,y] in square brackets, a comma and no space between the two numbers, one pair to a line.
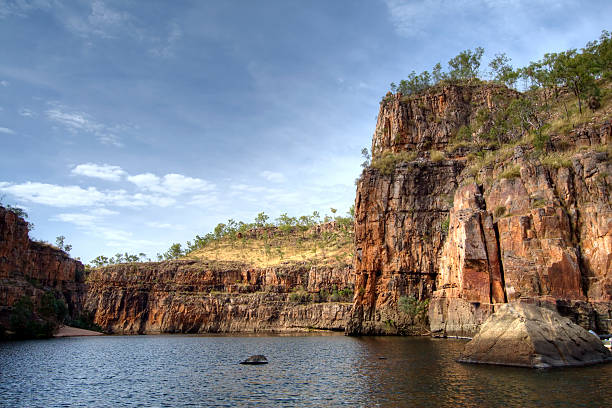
[304,371]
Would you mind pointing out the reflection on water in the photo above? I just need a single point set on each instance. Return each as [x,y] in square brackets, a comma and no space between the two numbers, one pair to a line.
[303,371]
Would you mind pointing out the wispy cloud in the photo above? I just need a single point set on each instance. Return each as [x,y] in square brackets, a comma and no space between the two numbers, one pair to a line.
[101,171]
[273,177]
[4,83]
[7,131]
[21,8]
[412,18]
[102,21]
[164,225]
[171,184]
[26,113]
[75,196]
[75,122]
[164,47]
[95,223]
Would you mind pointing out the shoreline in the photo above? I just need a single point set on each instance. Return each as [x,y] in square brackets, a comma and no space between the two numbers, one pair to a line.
[69,331]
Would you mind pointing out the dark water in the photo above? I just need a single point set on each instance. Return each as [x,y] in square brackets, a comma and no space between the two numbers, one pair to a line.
[317,371]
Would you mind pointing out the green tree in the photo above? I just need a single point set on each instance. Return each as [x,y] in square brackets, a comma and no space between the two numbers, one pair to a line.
[60,243]
[365,154]
[437,74]
[100,261]
[576,73]
[466,64]
[174,252]
[261,219]
[415,83]
[502,71]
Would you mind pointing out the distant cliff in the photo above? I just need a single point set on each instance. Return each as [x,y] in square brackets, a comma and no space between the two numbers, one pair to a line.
[30,270]
[194,296]
[458,212]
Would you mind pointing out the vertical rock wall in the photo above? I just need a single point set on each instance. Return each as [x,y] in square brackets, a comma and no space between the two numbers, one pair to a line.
[426,232]
[29,268]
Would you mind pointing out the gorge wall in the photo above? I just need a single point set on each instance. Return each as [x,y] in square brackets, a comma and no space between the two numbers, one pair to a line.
[30,268]
[193,296]
[457,238]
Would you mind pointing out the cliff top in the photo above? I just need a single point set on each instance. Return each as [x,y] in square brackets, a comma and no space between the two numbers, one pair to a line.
[329,243]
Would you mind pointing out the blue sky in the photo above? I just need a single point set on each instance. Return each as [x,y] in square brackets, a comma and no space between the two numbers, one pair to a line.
[129,125]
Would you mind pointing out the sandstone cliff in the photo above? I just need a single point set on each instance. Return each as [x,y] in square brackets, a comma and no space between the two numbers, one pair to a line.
[29,268]
[464,226]
[195,296]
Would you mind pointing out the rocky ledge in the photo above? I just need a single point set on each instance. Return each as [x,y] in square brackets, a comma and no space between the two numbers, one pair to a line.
[525,335]
[192,296]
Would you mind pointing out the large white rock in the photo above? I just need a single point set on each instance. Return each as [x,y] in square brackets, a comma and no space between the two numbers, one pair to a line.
[525,335]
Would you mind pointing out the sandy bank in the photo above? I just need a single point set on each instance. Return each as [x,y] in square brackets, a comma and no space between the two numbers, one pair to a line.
[67,331]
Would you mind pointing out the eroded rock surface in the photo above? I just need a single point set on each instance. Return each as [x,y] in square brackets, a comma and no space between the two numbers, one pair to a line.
[29,268]
[522,225]
[202,297]
[525,335]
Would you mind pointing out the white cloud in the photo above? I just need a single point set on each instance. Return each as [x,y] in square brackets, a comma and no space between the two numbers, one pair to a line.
[411,18]
[94,224]
[75,196]
[4,83]
[164,225]
[77,122]
[27,113]
[54,195]
[101,171]
[165,47]
[21,8]
[102,21]
[7,131]
[145,180]
[171,184]
[273,177]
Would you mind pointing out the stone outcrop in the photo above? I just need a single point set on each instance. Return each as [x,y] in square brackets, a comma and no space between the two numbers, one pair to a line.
[467,237]
[525,335]
[192,296]
[30,268]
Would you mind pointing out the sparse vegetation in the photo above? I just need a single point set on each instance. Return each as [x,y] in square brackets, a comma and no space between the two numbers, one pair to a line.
[436,156]
[557,160]
[500,211]
[511,172]
[36,321]
[413,307]
[387,162]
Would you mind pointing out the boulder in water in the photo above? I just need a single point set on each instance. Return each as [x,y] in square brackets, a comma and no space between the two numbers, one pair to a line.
[256,359]
[525,335]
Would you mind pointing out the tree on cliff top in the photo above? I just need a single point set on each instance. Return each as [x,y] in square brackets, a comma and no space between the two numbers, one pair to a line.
[466,64]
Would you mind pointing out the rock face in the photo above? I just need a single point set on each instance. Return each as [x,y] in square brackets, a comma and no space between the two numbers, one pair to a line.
[465,237]
[204,297]
[29,268]
[525,335]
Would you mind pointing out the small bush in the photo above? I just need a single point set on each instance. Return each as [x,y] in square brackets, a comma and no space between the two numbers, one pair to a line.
[464,133]
[436,156]
[416,309]
[388,161]
[299,295]
[445,224]
[538,203]
[556,161]
[500,211]
[511,172]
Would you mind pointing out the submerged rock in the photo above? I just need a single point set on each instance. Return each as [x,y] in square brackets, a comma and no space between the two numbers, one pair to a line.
[525,335]
[256,359]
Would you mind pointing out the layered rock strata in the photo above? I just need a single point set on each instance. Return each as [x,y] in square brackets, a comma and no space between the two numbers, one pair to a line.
[30,268]
[212,297]
[521,225]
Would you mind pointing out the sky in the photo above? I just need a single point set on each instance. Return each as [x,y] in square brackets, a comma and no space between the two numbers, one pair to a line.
[128,125]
